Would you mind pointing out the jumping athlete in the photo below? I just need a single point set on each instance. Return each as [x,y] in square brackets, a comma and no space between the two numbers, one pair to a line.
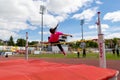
[54,38]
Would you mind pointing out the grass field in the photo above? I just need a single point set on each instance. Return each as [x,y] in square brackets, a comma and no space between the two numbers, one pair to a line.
[109,56]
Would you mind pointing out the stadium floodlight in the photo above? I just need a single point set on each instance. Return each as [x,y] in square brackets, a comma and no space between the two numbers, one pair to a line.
[82,22]
[42,10]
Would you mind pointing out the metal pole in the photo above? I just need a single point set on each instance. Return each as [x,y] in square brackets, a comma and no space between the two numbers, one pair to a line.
[26,55]
[42,8]
[41,30]
[99,24]
[102,56]
[82,31]
[82,22]
[83,43]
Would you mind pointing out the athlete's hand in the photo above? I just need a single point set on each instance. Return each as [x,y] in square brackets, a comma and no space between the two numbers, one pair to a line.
[71,36]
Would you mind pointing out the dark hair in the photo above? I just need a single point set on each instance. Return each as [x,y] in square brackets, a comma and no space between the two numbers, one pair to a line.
[52,30]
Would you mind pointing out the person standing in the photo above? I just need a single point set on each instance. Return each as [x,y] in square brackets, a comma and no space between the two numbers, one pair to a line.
[117,51]
[84,52]
[113,50]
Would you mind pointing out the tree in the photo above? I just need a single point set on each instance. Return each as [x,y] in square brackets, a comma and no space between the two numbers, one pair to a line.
[1,43]
[21,42]
[11,42]
[115,41]
[91,44]
[74,45]
[33,43]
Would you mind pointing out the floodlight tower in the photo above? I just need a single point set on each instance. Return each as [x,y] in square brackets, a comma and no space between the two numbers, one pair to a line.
[26,47]
[82,45]
[102,56]
[82,22]
[42,10]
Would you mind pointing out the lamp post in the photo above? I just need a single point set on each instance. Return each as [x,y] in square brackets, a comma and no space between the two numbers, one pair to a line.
[82,45]
[82,22]
[26,55]
[42,9]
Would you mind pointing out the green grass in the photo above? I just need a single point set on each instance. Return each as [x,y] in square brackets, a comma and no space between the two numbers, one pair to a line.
[109,56]
[112,57]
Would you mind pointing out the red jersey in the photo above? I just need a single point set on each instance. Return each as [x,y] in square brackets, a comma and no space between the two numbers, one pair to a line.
[55,37]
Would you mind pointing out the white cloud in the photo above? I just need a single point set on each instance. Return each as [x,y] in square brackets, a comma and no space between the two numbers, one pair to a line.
[60,9]
[13,26]
[87,14]
[14,13]
[13,16]
[51,21]
[86,37]
[115,29]
[103,26]
[108,31]
[66,6]
[112,35]
[89,36]
[16,9]
[5,35]
[45,33]
[92,27]
[74,39]
[98,2]
[113,16]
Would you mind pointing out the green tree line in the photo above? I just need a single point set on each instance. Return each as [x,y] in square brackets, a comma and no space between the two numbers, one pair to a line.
[20,42]
[109,43]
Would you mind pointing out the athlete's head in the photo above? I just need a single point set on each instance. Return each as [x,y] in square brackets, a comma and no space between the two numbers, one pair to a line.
[52,30]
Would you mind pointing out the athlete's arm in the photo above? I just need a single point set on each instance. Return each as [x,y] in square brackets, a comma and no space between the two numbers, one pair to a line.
[67,35]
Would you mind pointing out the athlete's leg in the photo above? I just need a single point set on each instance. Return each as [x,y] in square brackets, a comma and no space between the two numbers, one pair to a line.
[61,49]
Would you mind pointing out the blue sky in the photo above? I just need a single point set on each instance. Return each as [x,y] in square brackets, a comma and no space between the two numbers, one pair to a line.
[20,16]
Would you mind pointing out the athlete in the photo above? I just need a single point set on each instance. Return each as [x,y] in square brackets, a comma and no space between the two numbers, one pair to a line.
[54,38]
